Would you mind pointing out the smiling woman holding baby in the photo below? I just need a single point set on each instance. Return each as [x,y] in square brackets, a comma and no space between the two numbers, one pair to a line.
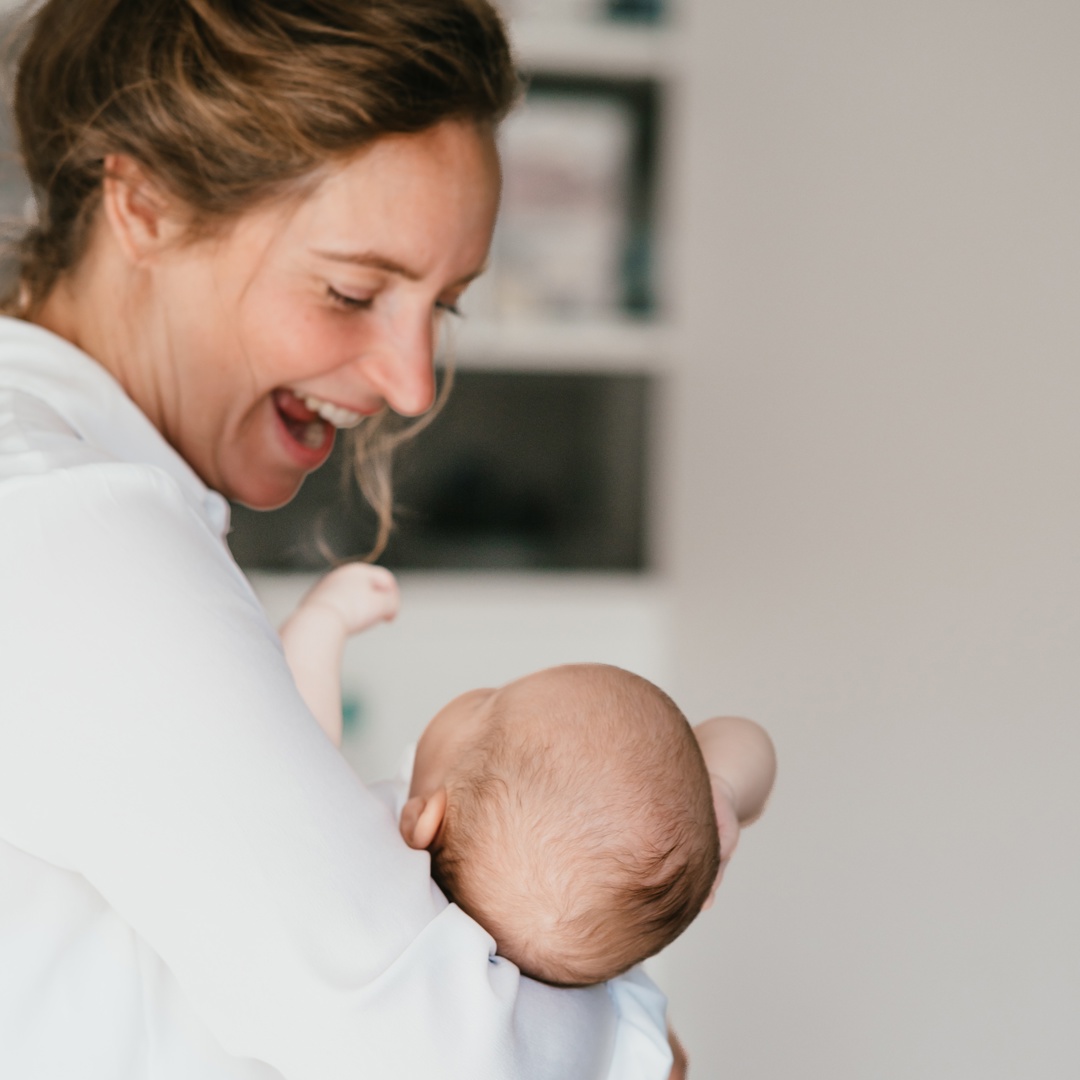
[252,218]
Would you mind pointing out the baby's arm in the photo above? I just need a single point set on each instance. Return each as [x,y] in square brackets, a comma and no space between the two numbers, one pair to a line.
[346,601]
[741,761]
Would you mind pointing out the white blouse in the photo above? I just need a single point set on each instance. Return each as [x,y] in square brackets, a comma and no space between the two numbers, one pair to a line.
[193,882]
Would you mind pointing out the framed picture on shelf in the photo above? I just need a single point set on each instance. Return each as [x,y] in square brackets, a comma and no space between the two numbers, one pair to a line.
[574,233]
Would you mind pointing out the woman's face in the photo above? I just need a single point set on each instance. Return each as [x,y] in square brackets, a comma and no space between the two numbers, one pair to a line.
[306,317]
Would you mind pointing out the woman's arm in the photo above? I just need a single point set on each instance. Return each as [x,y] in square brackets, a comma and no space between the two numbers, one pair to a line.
[154,742]
[346,601]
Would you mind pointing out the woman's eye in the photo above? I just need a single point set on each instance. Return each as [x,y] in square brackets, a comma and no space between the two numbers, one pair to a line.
[448,308]
[352,303]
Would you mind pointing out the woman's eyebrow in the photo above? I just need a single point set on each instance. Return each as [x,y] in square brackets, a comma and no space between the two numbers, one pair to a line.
[374,261]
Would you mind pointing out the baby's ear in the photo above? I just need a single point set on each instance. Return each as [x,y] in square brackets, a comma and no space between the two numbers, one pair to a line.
[421,819]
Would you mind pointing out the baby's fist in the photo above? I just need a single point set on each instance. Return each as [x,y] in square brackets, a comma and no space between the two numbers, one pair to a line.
[359,594]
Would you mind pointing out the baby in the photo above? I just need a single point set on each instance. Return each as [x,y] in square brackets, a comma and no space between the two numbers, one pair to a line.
[574,813]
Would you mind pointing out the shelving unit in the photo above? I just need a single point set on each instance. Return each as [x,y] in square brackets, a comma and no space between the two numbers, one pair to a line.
[633,346]
[605,50]
[596,50]
[602,49]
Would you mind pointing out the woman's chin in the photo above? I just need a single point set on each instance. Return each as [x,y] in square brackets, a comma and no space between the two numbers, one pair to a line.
[265,483]
[268,493]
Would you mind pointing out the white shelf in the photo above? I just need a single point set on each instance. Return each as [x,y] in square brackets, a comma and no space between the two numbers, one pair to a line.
[595,49]
[622,345]
[467,630]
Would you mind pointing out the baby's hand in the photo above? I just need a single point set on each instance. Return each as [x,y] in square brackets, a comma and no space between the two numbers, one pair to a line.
[741,763]
[727,823]
[358,594]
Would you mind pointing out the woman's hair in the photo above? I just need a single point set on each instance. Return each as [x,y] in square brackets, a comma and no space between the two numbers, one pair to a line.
[231,103]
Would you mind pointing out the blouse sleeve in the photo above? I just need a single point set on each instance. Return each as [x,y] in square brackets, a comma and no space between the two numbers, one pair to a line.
[153,741]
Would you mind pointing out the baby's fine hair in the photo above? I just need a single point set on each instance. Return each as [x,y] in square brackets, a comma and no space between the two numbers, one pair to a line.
[584,841]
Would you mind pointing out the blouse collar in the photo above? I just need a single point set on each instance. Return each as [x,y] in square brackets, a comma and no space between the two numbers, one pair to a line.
[40,363]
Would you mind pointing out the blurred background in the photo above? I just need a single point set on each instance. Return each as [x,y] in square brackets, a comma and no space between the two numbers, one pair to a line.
[772,394]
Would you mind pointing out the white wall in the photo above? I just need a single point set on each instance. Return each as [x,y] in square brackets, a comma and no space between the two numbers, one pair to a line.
[876,531]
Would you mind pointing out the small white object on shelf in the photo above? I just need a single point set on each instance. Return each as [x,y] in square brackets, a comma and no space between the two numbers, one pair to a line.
[594,47]
[625,344]
[552,10]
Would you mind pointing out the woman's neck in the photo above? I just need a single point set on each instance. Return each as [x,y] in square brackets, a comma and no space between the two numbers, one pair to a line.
[100,307]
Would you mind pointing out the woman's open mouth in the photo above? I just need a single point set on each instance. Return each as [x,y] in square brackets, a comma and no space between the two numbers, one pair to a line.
[311,436]
[308,423]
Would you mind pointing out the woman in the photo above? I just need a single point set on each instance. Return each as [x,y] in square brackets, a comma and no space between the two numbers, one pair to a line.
[253,217]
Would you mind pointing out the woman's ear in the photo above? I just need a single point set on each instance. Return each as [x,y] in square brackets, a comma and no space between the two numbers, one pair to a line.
[139,212]
[421,819]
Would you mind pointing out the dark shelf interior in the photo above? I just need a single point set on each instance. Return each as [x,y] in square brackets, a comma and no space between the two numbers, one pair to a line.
[519,471]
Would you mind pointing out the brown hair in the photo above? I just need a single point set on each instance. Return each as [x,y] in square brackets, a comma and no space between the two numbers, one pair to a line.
[230,104]
[587,842]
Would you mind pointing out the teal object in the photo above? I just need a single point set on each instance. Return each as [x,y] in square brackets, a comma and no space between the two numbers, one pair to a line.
[352,714]
[636,10]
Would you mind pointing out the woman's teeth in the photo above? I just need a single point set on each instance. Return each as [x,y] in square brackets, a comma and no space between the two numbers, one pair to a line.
[334,414]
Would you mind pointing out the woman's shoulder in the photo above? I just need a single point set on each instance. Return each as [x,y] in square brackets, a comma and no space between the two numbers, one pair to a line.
[61,409]
[51,465]
[46,468]
[36,439]
[66,503]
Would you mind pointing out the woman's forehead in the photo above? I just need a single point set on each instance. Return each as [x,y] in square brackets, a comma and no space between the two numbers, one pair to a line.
[404,203]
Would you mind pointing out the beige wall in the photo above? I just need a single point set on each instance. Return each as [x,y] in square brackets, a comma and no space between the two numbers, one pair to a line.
[876,531]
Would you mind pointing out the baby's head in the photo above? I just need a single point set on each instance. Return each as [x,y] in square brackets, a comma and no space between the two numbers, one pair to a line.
[570,814]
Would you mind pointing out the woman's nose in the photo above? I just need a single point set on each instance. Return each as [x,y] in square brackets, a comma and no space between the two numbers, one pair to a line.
[402,370]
